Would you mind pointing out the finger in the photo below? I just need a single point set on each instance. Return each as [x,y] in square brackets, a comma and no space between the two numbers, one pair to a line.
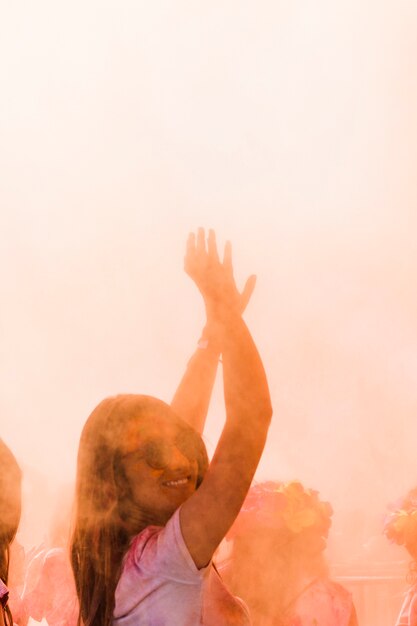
[190,246]
[212,246]
[189,252]
[247,292]
[201,240]
[227,258]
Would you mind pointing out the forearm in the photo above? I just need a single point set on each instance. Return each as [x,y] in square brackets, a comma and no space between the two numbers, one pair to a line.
[247,398]
[192,397]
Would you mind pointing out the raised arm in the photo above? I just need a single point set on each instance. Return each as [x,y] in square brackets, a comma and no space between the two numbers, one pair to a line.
[192,397]
[208,514]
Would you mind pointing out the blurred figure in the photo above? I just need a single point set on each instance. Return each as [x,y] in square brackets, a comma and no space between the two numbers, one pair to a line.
[401,528]
[10,509]
[277,564]
[49,591]
[17,571]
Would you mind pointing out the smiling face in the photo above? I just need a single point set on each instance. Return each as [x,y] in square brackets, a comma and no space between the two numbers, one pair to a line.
[159,469]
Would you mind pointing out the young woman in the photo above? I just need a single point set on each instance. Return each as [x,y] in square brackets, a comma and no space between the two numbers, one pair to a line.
[277,563]
[401,528]
[10,506]
[150,509]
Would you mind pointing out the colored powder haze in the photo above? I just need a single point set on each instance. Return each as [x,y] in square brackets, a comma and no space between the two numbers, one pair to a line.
[290,128]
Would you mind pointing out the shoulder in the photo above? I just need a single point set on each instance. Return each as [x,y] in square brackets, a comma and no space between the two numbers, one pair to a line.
[160,551]
[341,600]
[57,566]
[157,565]
[55,556]
[341,597]
[155,541]
[335,589]
[55,553]
[142,544]
[328,599]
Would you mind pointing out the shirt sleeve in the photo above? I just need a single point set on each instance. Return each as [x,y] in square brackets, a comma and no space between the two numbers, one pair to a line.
[161,552]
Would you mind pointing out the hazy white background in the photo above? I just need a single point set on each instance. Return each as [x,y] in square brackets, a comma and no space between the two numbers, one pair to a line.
[290,128]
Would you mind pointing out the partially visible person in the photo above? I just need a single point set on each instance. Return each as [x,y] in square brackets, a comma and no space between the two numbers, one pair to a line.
[277,563]
[10,510]
[49,591]
[16,582]
[150,509]
[400,527]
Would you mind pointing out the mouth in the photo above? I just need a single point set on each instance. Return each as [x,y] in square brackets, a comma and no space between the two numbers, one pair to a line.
[178,482]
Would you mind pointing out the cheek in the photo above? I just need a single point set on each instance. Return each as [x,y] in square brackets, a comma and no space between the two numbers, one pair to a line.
[156,473]
[140,472]
[143,481]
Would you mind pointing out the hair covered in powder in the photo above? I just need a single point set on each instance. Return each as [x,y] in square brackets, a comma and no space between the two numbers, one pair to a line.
[100,539]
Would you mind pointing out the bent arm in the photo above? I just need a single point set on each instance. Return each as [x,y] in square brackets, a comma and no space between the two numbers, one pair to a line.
[209,513]
[192,398]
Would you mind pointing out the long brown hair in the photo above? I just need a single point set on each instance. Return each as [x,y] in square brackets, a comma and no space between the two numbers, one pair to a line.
[10,509]
[100,538]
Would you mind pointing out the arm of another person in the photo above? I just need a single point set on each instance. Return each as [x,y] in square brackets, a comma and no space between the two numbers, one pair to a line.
[207,515]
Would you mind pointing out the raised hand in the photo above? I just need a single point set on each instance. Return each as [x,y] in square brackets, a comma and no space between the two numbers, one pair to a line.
[214,278]
[208,514]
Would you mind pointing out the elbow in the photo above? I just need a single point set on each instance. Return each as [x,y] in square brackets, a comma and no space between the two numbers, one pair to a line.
[261,417]
[265,411]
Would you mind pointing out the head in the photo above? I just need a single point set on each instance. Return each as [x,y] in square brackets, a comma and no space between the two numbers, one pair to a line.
[400,524]
[10,507]
[279,537]
[291,520]
[137,462]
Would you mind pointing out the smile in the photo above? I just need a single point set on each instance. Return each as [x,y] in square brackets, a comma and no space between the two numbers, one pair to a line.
[176,483]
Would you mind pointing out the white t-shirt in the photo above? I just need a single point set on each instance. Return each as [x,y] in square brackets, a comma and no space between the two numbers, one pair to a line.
[160,585]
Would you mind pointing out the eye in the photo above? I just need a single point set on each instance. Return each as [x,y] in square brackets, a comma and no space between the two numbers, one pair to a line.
[187,443]
[156,454]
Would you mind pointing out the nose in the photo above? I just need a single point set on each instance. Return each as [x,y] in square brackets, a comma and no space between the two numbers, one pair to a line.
[177,461]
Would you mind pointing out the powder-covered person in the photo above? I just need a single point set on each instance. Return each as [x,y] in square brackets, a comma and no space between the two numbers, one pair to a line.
[400,527]
[150,509]
[277,563]
[10,509]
